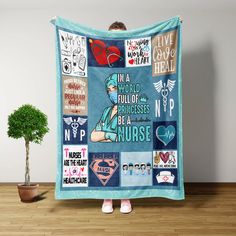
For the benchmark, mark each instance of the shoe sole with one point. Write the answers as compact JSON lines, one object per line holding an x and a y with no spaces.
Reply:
{"x":107,"y":212}
{"x":125,"y":212}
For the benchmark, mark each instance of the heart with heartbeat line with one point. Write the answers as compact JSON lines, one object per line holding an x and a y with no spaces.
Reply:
{"x":165,"y":134}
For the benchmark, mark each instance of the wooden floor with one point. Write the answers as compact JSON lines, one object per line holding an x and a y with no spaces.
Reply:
{"x":209,"y":209}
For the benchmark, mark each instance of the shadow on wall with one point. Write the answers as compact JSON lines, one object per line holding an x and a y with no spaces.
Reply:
{"x":199,"y":115}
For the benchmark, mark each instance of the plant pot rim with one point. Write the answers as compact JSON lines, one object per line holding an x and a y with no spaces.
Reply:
{"x":22,"y":185}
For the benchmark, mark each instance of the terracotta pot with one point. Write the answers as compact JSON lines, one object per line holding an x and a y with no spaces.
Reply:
{"x":28,"y":193}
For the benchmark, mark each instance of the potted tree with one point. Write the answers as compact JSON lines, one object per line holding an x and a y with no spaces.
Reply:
{"x":29,"y":123}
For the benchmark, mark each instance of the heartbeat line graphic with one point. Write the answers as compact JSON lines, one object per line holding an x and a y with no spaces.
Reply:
{"x":168,"y":135}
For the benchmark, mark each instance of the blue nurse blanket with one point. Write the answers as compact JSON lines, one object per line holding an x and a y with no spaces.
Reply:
{"x":119,"y":111}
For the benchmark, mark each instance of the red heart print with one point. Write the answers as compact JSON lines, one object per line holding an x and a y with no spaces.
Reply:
{"x":164,"y":156}
{"x":131,"y":61}
{"x":82,"y":168}
{"x":104,"y":55}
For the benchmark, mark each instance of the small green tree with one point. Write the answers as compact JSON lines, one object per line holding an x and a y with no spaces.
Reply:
{"x":29,"y":123}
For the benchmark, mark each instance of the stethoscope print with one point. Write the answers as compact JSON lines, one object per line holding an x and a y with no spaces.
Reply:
{"x":98,"y":51}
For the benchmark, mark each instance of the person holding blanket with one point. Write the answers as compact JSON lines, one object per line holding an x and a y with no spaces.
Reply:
{"x":111,"y":85}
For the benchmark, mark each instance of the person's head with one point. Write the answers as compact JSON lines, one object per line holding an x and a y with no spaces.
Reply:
{"x":117,"y":26}
{"x":131,"y":166}
{"x":148,"y":165}
{"x":143,"y":166}
{"x":136,"y":166}
{"x":125,"y":166}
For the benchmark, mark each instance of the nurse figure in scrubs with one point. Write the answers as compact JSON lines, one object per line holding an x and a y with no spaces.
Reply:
{"x":106,"y":128}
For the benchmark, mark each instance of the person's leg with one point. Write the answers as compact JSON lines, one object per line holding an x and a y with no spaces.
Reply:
{"x":125,"y":206}
{"x":107,"y":206}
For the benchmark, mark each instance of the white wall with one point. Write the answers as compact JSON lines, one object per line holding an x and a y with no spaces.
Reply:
{"x":27,"y":75}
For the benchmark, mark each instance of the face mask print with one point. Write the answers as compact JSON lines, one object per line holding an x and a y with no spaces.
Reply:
{"x":113,"y":96}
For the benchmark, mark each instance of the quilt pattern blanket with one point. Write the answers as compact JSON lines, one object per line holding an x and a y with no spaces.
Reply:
{"x":119,"y":111}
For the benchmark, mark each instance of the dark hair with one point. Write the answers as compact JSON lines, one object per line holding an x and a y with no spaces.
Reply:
{"x":149,"y":164}
{"x":124,"y":165}
{"x":117,"y":25}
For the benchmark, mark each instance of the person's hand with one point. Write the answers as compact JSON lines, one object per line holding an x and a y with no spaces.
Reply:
{"x":111,"y":136}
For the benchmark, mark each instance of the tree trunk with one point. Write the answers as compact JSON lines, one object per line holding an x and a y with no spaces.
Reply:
{"x":27,"y":170}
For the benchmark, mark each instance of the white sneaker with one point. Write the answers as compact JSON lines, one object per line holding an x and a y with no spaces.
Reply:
{"x":125,"y":206}
{"x":107,"y":206}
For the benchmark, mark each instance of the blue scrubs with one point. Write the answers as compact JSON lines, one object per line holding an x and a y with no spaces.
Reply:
{"x":107,"y":124}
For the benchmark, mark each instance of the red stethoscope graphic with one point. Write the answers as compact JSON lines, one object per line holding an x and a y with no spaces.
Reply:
{"x":104,"y":55}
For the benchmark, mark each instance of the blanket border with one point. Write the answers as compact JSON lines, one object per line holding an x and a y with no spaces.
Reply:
{"x":124,"y":193}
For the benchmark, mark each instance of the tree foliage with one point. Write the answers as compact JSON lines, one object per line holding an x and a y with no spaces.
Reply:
{"x":29,"y":123}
